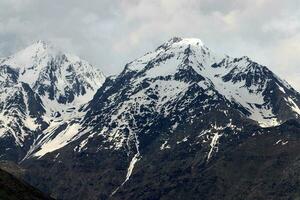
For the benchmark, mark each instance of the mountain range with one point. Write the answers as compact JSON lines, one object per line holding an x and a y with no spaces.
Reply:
{"x":180,"y":122}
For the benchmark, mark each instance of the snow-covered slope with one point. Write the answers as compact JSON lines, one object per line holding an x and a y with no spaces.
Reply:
{"x":240,"y":80}
{"x":42,"y":87}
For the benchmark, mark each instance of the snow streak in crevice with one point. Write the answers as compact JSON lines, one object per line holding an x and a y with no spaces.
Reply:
{"x":133,"y":161}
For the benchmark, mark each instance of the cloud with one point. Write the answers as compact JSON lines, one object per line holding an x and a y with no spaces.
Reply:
{"x":110,"y":33}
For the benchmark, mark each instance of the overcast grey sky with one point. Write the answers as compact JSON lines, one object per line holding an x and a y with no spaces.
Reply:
{"x":110,"y":33}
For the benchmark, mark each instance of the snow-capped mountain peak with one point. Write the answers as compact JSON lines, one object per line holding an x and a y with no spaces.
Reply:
{"x":30,"y":56}
{"x":181,"y":49}
{"x":42,"y":86}
{"x":181,"y":42}
{"x":239,"y":80}
{"x":54,"y":73}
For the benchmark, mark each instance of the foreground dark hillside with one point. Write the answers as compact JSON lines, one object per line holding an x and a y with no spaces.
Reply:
{"x":12,"y":188}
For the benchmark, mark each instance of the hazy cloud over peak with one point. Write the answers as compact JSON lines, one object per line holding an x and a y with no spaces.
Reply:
{"x":109,"y":33}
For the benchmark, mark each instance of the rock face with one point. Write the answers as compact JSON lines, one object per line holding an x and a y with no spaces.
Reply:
{"x":174,"y":124}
